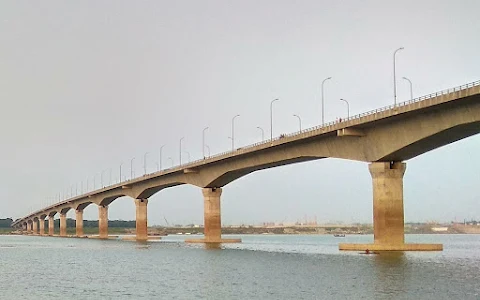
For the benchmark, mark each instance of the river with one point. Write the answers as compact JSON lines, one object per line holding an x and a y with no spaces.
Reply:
{"x":261,"y":267}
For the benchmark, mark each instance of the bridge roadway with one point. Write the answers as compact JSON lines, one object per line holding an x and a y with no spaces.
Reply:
{"x":385,"y":138}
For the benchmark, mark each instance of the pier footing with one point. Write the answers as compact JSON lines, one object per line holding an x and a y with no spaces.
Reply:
{"x":213,"y":241}
{"x":401,"y":247}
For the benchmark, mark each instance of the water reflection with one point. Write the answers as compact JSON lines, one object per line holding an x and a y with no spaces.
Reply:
{"x":390,"y":272}
{"x":213,"y":246}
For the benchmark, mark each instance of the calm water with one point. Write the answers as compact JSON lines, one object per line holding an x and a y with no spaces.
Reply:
{"x":262,"y":267}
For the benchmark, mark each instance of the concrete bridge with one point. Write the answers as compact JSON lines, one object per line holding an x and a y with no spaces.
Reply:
{"x":385,"y":138}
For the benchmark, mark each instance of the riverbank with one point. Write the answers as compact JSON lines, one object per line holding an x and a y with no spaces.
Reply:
{"x":319,"y":230}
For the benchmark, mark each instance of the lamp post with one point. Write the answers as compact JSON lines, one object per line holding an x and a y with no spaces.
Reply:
{"x":323,"y":100}
{"x":188,"y":155}
{"x":180,"y":152}
{"x":271,"y":118}
{"x":120,"y":177}
{"x":160,"y":157}
{"x":299,"y":121}
{"x":208,"y":148}
{"x":171,"y":159}
{"x":145,"y":163}
{"x":263,"y":133}
{"x":131,"y":168}
{"x":101,"y":179}
{"x":411,"y":87}
{"x":203,"y":141}
{"x":395,"y":76}
{"x":348,"y":107}
{"x":233,"y":131}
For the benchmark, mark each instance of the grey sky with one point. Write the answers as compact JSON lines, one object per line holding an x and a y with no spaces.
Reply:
{"x":86,"y":85}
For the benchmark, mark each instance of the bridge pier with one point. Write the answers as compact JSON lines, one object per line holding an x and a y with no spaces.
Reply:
{"x":25,"y":227}
{"x":51,"y":225}
{"x":41,"y":223}
{"x":63,"y":224}
{"x":79,"y":223}
{"x":212,"y":218}
{"x":35,"y":227}
{"x":388,"y":214}
{"x":103,"y":221}
{"x":141,"y":219}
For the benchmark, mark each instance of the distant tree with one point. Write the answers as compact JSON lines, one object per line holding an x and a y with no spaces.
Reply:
{"x":6,"y":223}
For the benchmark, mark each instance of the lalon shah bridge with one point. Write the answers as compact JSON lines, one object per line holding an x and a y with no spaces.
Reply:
{"x":385,"y":138}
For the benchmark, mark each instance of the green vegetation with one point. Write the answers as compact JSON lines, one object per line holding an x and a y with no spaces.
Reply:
{"x":5,"y":223}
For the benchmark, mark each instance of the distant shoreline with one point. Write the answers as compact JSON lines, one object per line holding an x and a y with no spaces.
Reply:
{"x":288,"y":230}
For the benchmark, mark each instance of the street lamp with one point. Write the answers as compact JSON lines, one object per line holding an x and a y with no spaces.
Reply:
{"x":233,"y":131}
{"x":208,"y":148}
{"x":203,"y":141}
{"x":101,"y":179}
{"x":348,"y":107}
{"x":180,"y":159}
{"x":120,"y":178}
{"x":395,"y":77}
{"x":131,"y":168}
{"x":263,"y":134}
{"x":271,"y":118}
{"x":323,"y":100}
{"x":299,"y":121}
{"x":145,"y":163}
{"x":411,"y":87}
{"x":188,"y":155}
{"x":160,"y":157}
{"x":171,"y":159}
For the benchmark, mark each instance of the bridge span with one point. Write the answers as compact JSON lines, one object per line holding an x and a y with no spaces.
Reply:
{"x":385,"y":138}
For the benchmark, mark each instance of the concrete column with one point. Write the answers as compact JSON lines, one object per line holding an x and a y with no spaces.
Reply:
{"x":212,"y":218}
{"x":79,"y":223}
{"x":212,"y":214}
{"x":29,"y":227}
{"x":103,"y":221}
{"x":388,"y":215}
{"x":25,"y":227}
{"x":51,"y":226}
{"x":388,"y":223}
{"x":141,"y":219}
{"x":63,"y":224}
{"x":41,"y":223}
{"x":35,"y":227}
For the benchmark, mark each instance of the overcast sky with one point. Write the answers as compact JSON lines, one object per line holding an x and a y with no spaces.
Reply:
{"x":87,"y":85}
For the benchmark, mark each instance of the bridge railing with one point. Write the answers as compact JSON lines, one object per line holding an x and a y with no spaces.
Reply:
{"x":247,"y":148}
